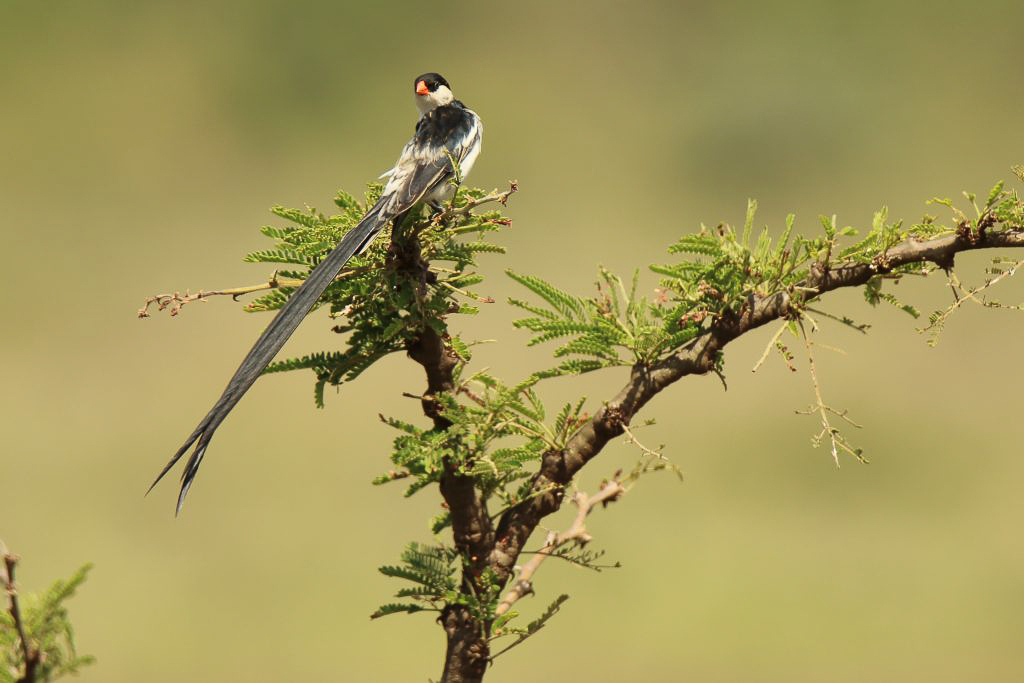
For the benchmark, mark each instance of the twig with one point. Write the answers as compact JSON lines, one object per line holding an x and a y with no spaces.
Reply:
{"x":837,"y":440}
{"x":467,"y":208}
{"x":523,"y":585}
{"x":176,"y":300}
{"x":826,"y":427}
{"x":633,"y":440}
{"x":29,"y":653}
{"x":962,"y":295}
{"x":578,"y":563}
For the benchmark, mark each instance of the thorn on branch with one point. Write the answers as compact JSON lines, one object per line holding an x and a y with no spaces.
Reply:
{"x":836,"y":439}
{"x":173,"y":301}
{"x":577,"y":533}
{"x":177,"y":300}
{"x":513,"y":187}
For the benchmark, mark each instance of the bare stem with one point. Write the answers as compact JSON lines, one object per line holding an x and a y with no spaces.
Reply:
{"x":577,"y":533}
{"x":176,"y":300}
{"x":30,"y":653}
{"x":836,"y":439}
{"x":465,"y":210}
{"x":644,"y":449}
{"x":961,"y":295}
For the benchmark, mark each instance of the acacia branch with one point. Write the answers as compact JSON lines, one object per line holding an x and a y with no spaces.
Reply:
{"x":836,"y":439}
{"x":467,"y":208}
{"x":558,"y":467}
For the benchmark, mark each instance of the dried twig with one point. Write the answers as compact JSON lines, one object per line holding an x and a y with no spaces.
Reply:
{"x":962,"y":295}
{"x":837,"y":440}
{"x":176,"y":300}
{"x":465,"y":210}
{"x":577,"y":533}
{"x":769,"y":346}
{"x":644,"y":449}
{"x":495,"y":542}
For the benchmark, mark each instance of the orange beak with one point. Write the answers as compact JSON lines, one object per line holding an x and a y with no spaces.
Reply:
{"x":421,"y":88}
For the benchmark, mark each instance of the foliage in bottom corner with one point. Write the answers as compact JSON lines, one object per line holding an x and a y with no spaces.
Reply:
{"x":48,"y":631}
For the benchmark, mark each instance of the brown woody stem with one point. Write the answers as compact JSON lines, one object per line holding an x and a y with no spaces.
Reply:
{"x":484,"y":545}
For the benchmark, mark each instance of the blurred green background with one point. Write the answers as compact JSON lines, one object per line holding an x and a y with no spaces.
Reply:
{"x":140,"y":147}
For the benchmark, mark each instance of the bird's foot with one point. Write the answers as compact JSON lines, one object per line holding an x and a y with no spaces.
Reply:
{"x":437,"y":215}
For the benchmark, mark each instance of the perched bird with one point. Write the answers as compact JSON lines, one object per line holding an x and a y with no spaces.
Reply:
{"x":447,"y":130}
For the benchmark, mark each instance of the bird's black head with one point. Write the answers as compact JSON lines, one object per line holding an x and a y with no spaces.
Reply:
{"x":429,"y":82}
{"x":432,"y":91}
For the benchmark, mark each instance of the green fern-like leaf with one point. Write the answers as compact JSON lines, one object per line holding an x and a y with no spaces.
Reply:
{"x":560,"y":301}
{"x":698,"y":245}
{"x":397,"y":608}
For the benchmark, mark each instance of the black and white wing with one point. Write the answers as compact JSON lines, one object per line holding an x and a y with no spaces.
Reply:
{"x":423,"y":170}
{"x":422,"y":173}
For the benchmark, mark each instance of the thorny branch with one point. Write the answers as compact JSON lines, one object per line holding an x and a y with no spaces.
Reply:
{"x":558,"y":468}
{"x":576,"y":533}
{"x":962,"y":295}
{"x":176,"y":300}
{"x":772,"y":343}
{"x":643,"y":449}
{"x":500,"y":197}
{"x":836,"y":439}
{"x":497,"y":547}
{"x":29,"y":652}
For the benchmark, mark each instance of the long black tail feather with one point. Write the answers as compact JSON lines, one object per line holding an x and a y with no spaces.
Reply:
{"x":272,"y":339}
